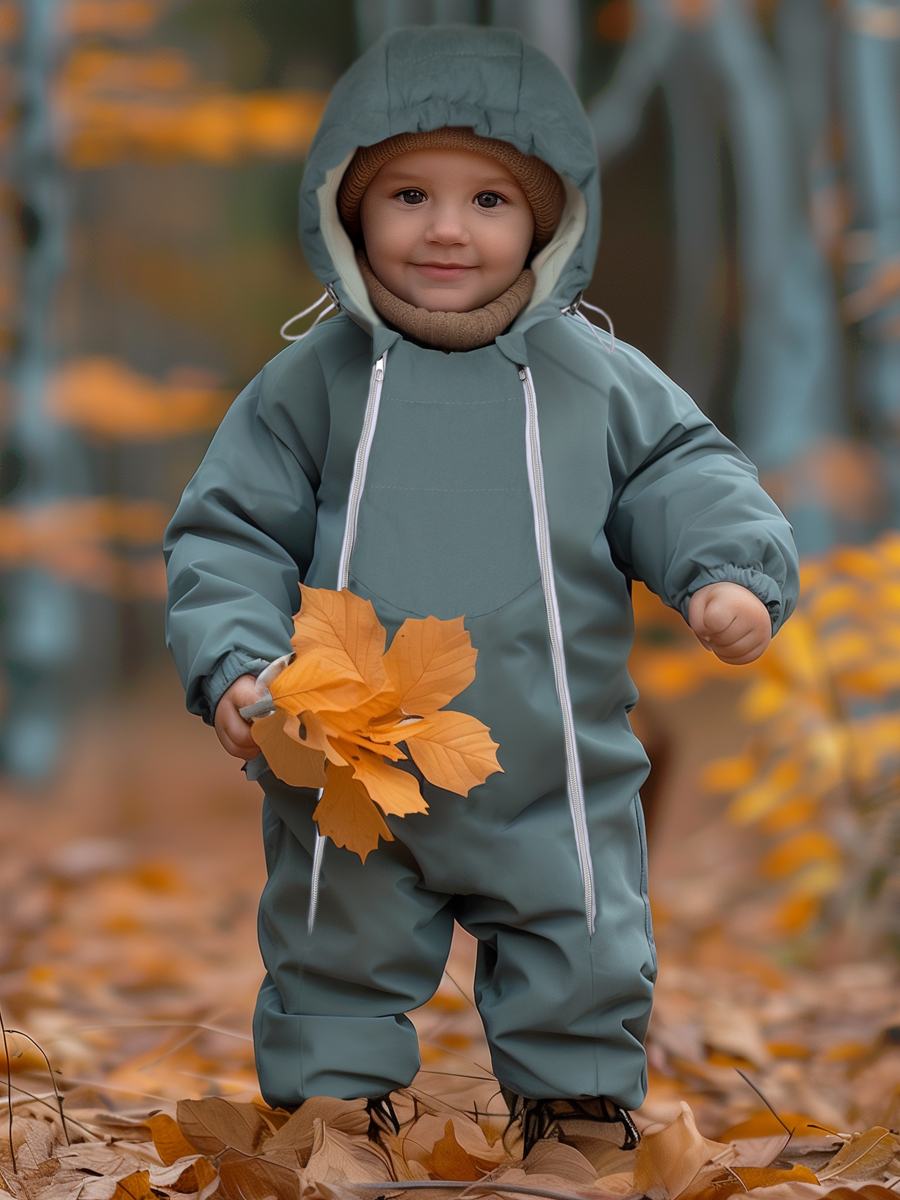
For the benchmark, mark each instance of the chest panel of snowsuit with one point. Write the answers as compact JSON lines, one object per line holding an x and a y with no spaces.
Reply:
{"x":446,"y":525}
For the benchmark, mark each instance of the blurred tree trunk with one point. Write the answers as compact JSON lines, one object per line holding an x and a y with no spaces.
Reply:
{"x":41,"y":631}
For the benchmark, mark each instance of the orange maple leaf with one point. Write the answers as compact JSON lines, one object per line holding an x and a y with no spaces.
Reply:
{"x":344,"y":707}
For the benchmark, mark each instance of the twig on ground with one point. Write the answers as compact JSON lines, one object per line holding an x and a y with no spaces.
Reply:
{"x":751,"y":1084}
{"x":56,"y":1091}
{"x":9,"y":1087}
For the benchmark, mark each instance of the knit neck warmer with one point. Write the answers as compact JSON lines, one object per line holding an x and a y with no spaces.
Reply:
{"x":448,"y":330}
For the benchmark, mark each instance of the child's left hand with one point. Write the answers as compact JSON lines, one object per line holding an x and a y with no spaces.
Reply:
{"x":729,"y":620}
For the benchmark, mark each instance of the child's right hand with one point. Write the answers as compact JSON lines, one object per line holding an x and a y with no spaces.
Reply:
{"x":231,"y":728}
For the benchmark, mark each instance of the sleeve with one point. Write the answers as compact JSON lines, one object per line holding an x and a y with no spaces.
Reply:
{"x":687,"y":508}
{"x":237,"y":547}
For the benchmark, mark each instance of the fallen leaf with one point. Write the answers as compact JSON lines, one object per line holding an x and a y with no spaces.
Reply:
{"x":733,"y":1030}
{"x":170,"y":1142}
{"x":550,"y":1157}
{"x":296,"y":1135}
{"x":134,"y":1187}
{"x":448,"y":1160}
{"x":185,"y":1175}
{"x":760,"y":1177}
{"x":869,"y":1191}
{"x":672,"y":1157}
{"x":258,"y":1180}
{"x":214,"y":1125}
{"x":620,"y":1183}
{"x":764,"y":1124}
{"x":863,"y":1157}
{"x":419,"y":1140}
{"x":758,"y":1152}
{"x":711,"y":1183}
{"x":337,"y":1158}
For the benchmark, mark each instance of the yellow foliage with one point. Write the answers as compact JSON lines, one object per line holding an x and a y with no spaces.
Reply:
{"x":819,"y":877}
{"x":797,"y":811}
{"x":795,"y":914}
{"x":764,"y":699}
{"x":833,"y":601}
{"x":728,"y":774}
{"x":846,"y":648}
{"x":10,"y":21}
{"x":220,"y":128}
{"x":118,"y":17}
{"x":761,"y":798}
{"x":824,"y":701}
{"x":798,"y":851}
{"x":74,"y":540}
{"x":858,"y":562}
{"x":104,"y":397}
{"x":101,"y":69}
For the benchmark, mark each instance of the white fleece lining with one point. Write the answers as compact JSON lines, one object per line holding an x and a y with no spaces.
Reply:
{"x":339,"y":246}
{"x":548,"y":265}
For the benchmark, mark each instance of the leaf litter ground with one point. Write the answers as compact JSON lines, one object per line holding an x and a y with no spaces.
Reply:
{"x":128,"y":954}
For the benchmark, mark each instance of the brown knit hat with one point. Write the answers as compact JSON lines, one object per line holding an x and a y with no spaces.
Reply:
{"x":540,"y":183}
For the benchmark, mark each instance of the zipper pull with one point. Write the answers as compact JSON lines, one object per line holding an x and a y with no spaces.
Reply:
{"x":379,"y":370}
{"x":522,"y":374}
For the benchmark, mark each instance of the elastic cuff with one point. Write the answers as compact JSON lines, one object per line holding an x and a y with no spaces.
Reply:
{"x":231,"y":667}
{"x":762,"y":586}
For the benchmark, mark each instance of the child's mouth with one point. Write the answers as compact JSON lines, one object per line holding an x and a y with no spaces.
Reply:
{"x":443,"y":271}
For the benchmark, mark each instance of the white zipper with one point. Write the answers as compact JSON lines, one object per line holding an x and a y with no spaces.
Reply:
{"x":360,"y":467}
{"x":574,"y":785}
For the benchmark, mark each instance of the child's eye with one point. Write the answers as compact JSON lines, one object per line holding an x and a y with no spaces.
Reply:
{"x":488,"y":199}
{"x":412,"y":196}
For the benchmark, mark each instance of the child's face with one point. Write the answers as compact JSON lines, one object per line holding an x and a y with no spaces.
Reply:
{"x":446,"y":230}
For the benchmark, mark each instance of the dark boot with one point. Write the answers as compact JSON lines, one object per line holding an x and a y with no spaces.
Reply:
{"x":583,"y":1119}
{"x":382,"y":1117}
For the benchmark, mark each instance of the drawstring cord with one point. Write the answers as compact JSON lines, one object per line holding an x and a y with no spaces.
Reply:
{"x":297,"y":337}
{"x":575,"y":310}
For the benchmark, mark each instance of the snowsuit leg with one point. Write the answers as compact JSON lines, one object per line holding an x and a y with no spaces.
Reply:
{"x":565,"y":1013}
{"x":330,"y":1017}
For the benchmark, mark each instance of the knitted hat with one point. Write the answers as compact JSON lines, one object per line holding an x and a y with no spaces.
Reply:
{"x":540,"y":183}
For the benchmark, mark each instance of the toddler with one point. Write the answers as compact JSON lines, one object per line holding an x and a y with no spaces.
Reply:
{"x":459,"y":440}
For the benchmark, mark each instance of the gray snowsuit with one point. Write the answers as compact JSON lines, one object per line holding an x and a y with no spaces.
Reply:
{"x":523,"y":485}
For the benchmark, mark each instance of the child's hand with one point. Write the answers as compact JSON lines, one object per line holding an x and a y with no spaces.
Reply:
{"x":731,"y":621}
{"x":231,"y":728}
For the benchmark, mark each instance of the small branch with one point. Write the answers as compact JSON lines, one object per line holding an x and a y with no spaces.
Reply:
{"x":31,"y":1098}
{"x":12,"y":1149}
{"x":56,"y":1092}
{"x":751,"y":1084}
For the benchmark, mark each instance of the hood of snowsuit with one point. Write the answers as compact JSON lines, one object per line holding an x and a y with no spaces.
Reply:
{"x":490,"y":80}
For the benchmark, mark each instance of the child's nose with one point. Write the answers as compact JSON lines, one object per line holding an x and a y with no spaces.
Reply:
{"x":448,"y":227}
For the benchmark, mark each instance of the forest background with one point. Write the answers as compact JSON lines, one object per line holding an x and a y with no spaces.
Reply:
{"x":150,"y":157}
